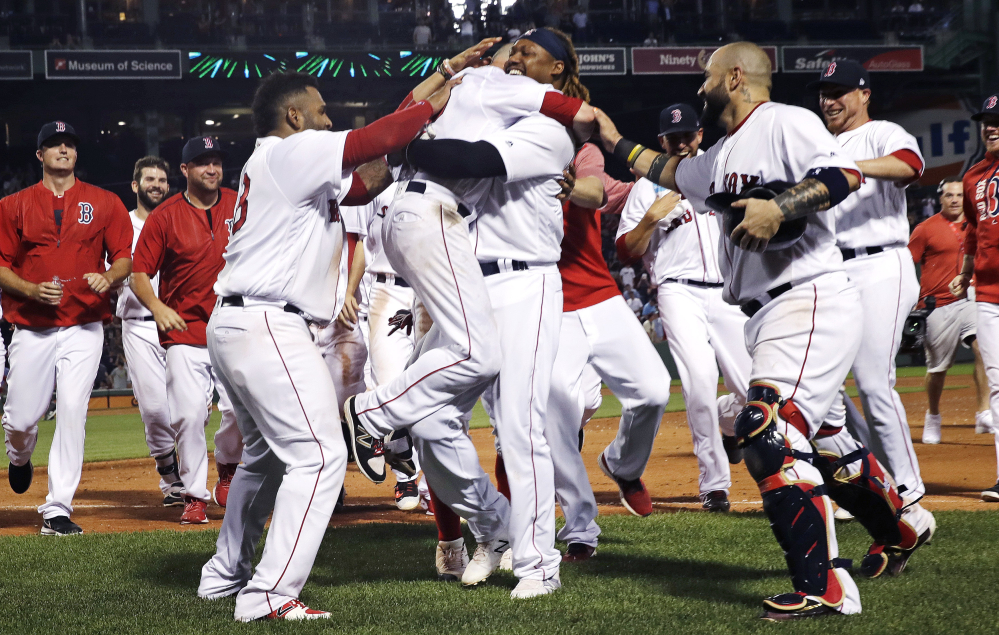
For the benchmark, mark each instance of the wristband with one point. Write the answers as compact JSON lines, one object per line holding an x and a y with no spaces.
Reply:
{"x":445,"y":71}
{"x":446,"y":63}
{"x":656,"y":169}
{"x":628,"y":151}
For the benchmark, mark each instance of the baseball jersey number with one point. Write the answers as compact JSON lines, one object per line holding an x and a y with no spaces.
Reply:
{"x":240,"y":217}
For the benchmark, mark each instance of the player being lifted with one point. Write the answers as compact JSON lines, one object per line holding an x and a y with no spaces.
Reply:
{"x":803,"y":330}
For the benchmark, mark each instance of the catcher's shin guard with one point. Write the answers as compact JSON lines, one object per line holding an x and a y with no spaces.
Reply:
{"x":795,"y":509}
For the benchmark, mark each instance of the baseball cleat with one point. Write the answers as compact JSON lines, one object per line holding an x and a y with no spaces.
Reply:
{"x":891,"y":561}
{"x":634,"y":495}
{"x":60,"y":526}
{"x":294,"y":610}
{"x":451,"y":559}
{"x":369,"y":451}
{"x":991,"y":495}
{"x":716,"y":501}
{"x":527,"y":589}
{"x":485,"y":560}
{"x":983,"y":422}
{"x":194,"y":511}
{"x":506,"y":562}
{"x":339,"y":507}
{"x":399,"y":453}
{"x":19,"y":477}
{"x":931,"y":429}
{"x":842,"y":515}
{"x":794,"y":606}
{"x":220,"y":493}
{"x":732,"y":449}
{"x":174,"y":496}
{"x":407,"y":496}
{"x":578,"y":552}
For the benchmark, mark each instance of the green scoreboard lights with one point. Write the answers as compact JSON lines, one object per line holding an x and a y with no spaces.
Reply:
{"x":356,"y":65}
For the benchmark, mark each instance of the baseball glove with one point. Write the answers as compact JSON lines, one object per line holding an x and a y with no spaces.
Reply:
{"x":787,"y":234}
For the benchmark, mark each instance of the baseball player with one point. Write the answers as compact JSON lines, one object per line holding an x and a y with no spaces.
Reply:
{"x":981,"y":257}
{"x":146,"y":357}
{"x":54,"y":239}
{"x":460,"y":355}
{"x":281,"y":273}
{"x":872,"y":231}
{"x":801,"y":331}
{"x":680,"y":251}
{"x":938,"y":246}
{"x":183,"y":241}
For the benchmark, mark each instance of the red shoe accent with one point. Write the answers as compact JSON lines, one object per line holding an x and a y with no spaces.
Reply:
{"x":295,"y":610}
{"x":221,"y":491}
{"x":194,"y":511}
{"x":448,"y":522}
{"x":634,"y":495}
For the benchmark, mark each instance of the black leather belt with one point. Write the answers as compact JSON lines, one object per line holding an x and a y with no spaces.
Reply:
{"x":399,"y":282}
{"x":146,"y":318}
{"x":753,"y":307}
{"x":696,"y":283}
{"x":419,"y":187}
{"x":849,"y":254}
{"x":237,"y":300}
{"x":492,"y":268}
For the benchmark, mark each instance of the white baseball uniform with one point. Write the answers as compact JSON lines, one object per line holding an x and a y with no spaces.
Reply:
{"x":283,"y":254}
{"x":146,"y":363}
{"x":703,"y":331}
{"x":803,"y":340}
{"x":874,"y":219}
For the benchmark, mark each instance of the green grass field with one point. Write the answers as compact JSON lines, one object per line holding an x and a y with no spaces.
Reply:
{"x":668,"y":573}
{"x":120,"y":436}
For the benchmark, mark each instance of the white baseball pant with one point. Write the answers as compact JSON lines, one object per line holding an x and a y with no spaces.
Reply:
{"x":705,"y":333}
{"x":608,"y":337}
{"x":189,"y":385}
{"x":294,"y":462}
{"x":888,"y":291}
{"x":345,"y":354}
{"x":528,"y":310}
{"x":988,"y":345}
{"x":803,"y":342}
{"x":147,"y":370}
{"x":592,"y":387}
{"x":65,"y":358}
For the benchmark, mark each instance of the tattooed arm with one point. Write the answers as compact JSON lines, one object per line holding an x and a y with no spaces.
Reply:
{"x":763,"y":218}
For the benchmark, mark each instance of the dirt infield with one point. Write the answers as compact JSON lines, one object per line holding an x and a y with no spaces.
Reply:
{"x":119,"y":496}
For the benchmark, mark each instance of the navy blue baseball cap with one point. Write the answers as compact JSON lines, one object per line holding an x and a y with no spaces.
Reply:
{"x":849,"y":73}
{"x":678,"y":118}
{"x":197,"y":146}
{"x":989,"y":107}
{"x":54,"y":128}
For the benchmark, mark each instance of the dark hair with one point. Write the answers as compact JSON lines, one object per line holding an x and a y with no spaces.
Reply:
{"x":272,"y":94}
{"x":149,"y":162}
{"x":572,"y":86}
{"x":946,"y":180}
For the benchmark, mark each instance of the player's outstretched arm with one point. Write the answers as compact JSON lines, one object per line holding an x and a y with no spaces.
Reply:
{"x":469,"y":58}
{"x":889,"y":167}
{"x":456,"y":159}
{"x":654,"y":166}
{"x":588,"y":193}
{"x":45,"y":292}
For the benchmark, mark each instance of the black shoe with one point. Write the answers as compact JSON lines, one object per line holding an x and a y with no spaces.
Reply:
{"x":403,"y":460}
{"x":19,"y":477}
{"x":174,"y":496}
{"x":578,"y":552}
{"x":582,"y":436}
{"x":732,"y":449}
{"x":369,"y":451}
{"x":716,"y":501}
{"x":60,"y":526}
{"x":793,"y":606}
{"x":339,"y":501}
{"x":991,"y":495}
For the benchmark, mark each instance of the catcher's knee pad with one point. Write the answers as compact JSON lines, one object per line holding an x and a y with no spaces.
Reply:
{"x":869,"y":495}
{"x":765,"y":449}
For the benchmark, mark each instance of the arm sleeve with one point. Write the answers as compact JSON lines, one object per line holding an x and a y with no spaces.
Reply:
{"x":385,"y":135}
{"x":903,"y":146}
{"x":560,"y":108}
{"x":10,"y":231}
{"x":358,"y":192}
{"x":151,"y":248}
{"x":694,"y":177}
{"x":804,"y":144}
{"x":917,"y":243}
{"x":456,"y":159}
{"x":534,"y":147}
{"x":118,"y":233}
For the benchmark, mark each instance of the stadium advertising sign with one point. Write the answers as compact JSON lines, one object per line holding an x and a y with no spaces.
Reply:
{"x":594,"y":61}
{"x":112,"y":65}
{"x":809,"y":59}
{"x":679,"y":60}
{"x":15,"y":65}
{"x":942,"y":126}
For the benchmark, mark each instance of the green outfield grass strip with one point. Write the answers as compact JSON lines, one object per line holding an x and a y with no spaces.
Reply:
{"x":683,"y":573}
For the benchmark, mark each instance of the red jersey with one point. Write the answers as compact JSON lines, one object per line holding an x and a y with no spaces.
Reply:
{"x":184,"y":244}
{"x":585,"y":278}
{"x":937,"y":244}
{"x":94,"y":227}
{"x":981,"y":210}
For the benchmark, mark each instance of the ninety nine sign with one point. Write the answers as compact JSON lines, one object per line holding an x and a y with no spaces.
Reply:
{"x":608,"y":61}
{"x":112,"y":65}
{"x":809,"y":59}
{"x":679,"y":60}
{"x":15,"y":65}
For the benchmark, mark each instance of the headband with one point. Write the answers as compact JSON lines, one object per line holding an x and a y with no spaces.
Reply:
{"x":548,"y":41}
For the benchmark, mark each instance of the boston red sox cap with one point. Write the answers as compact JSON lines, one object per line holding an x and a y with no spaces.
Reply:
{"x":849,"y":73}
{"x":989,"y":107}
{"x":678,"y":118}
{"x":54,"y":128}
{"x":197,"y":146}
